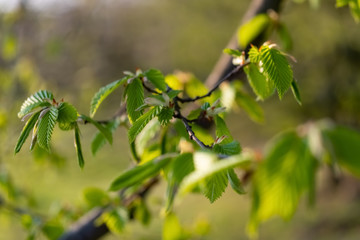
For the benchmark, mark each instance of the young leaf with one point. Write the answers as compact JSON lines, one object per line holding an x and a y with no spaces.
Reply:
{"x":39,"y":99}
{"x":235,"y":182}
{"x":102,"y":94}
{"x":99,"y":139}
{"x":276,"y":68}
{"x":286,"y":173}
{"x":222,"y":130}
{"x":261,"y":87}
{"x":141,"y":122}
{"x":26,"y":131}
{"x":231,"y":148}
{"x":165,"y":115}
{"x":215,"y":186}
{"x":140,"y":173}
{"x":296,"y":92}
{"x":251,"y":29}
{"x":104,"y":131}
{"x":78,"y":149}
{"x":232,"y":52}
{"x":156,"y":78}
{"x":46,"y":126}
{"x":67,"y":113}
{"x":53,"y":229}
{"x":344,"y":146}
{"x":254,"y":54}
{"x":135,"y":99}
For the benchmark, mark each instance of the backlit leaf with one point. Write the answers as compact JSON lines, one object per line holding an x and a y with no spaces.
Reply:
{"x":156,"y":78}
{"x":261,"y":87}
{"x":99,"y":139}
{"x":103,"y":93}
{"x":135,"y":99}
{"x":252,"y":29}
{"x":141,"y":122}
{"x":40,"y":99}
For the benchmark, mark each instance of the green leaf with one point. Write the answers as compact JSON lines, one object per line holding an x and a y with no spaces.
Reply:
{"x":104,"y":131}
{"x":115,"y":220}
{"x":140,"y":173}
{"x":251,"y":107}
{"x":142,"y":212}
{"x":39,"y":99}
{"x":231,"y":148}
{"x":173,"y":93}
{"x":287,"y":172}
{"x":354,"y":6}
{"x":235,"y":182}
{"x":53,"y":229}
{"x":261,"y":87}
{"x":96,"y":197}
{"x":206,"y":164}
{"x":172,"y":230}
{"x":26,"y":131}
{"x":102,"y":94}
{"x":254,"y":54}
{"x":141,"y":122}
{"x":276,"y":69}
{"x":165,"y":115}
{"x":222,"y":130}
{"x":343,"y":144}
{"x":215,"y":186}
{"x":296,"y":92}
{"x":250,"y":30}
{"x":67,"y":113}
{"x":99,"y":140}
{"x":135,"y":99}
{"x":78,"y":147}
{"x":146,"y":135}
{"x":156,"y":78}
{"x":46,"y":126}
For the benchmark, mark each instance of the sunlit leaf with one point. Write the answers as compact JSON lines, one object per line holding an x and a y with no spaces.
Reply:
{"x":165,"y":115}
{"x":103,"y":93}
{"x":231,"y":148}
{"x":172,"y":229}
{"x":287,"y":172}
{"x":261,"y":87}
{"x":39,"y":99}
{"x":252,"y":29}
{"x":235,"y":182}
{"x":215,"y":185}
{"x":115,"y":220}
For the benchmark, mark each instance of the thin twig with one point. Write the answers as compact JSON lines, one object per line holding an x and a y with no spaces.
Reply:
{"x":216,"y":86}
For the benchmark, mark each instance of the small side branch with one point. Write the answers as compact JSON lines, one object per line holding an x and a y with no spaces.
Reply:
{"x":235,"y":71}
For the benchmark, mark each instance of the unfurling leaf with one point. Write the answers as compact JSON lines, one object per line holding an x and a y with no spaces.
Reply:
{"x":102,"y":94}
{"x":26,"y":131}
{"x":39,"y":99}
{"x":46,"y":126}
{"x":135,"y":99}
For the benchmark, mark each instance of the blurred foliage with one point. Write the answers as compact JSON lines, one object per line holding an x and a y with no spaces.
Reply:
{"x":76,"y":50}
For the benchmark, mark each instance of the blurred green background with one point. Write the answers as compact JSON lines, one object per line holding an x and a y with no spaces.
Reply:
{"x":75,"y":47}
